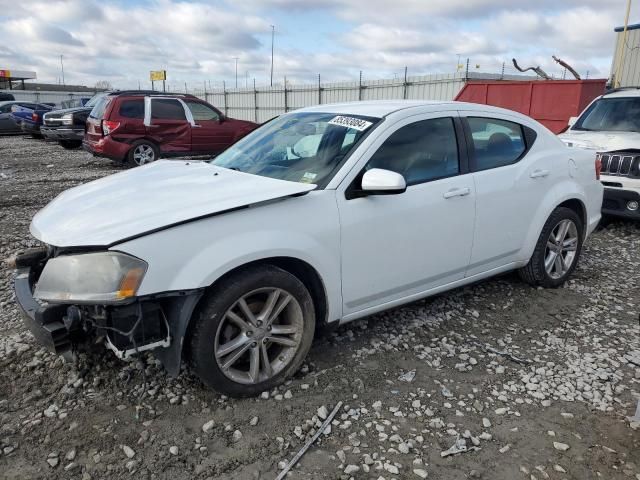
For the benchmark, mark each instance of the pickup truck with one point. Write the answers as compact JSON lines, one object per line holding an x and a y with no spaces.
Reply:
{"x":30,"y":119}
{"x":67,"y":126}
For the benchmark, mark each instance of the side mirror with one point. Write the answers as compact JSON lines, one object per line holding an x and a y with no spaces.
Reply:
{"x":572,"y":121}
{"x":221,"y":118}
{"x":378,"y":181}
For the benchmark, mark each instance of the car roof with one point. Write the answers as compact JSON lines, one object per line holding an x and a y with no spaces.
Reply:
{"x":382,"y":108}
{"x":623,"y":92}
{"x":149,"y":93}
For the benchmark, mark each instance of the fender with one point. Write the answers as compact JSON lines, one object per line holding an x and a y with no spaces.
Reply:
{"x":194,"y":255}
{"x":561,"y":192}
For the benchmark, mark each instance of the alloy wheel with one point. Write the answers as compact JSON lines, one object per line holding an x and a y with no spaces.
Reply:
{"x":259,"y":335}
{"x":562,"y":246}
{"x":144,"y":154}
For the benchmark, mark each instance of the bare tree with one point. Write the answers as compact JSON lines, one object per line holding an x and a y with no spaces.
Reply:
{"x":538,"y":70}
{"x":103,"y":85}
{"x":567,"y":66}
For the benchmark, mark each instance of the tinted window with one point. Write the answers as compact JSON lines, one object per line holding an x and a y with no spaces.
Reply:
{"x":167,"y":109}
{"x":200,"y":111}
{"x":420,"y":152}
{"x":611,"y":114}
{"x":496,"y":142}
{"x":5,"y":108}
{"x":132,"y":108}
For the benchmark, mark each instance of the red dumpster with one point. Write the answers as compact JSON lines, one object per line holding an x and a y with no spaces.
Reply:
{"x":551,"y":102}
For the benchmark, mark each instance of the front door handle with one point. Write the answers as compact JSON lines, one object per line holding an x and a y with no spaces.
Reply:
{"x":539,"y":173}
{"x":457,"y":192}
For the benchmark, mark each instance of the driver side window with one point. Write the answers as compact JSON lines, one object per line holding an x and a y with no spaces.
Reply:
{"x":421,"y":152}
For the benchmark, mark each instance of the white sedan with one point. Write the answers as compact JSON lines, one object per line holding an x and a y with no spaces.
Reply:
{"x":326,"y":214}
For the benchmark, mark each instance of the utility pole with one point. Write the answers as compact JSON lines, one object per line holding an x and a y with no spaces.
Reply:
{"x":273,"y":32}
{"x":236,"y":59}
{"x":62,"y":66}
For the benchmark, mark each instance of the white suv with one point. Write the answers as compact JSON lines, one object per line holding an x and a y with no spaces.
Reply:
{"x":610,"y":125}
{"x":323,"y":215}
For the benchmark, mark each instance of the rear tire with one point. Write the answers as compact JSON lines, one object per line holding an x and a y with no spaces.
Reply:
{"x":252,"y":332}
{"x":142,"y":152}
{"x":70,"y":144}
{"x":557,"y":251}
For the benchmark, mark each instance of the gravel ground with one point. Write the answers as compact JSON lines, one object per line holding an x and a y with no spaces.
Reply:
{"x":520,"y":382}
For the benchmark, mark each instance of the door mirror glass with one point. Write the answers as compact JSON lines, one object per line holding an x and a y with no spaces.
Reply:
{"x":378,"y":181}
{"x":572,"y":121}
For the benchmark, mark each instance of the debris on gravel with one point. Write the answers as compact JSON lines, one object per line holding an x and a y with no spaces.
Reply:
{"x":554,"y":375}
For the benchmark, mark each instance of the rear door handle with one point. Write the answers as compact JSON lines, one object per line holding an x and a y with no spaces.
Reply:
{"x":539,"y":173}
{"x":457,"y":192}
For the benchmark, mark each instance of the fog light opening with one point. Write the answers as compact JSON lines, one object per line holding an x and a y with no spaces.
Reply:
{"x":632,"y":205}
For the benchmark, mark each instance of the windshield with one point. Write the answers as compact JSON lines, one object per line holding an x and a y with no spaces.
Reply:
{"x":611,"y":114}
{"x":93,"y":100}
{"x":299,"y":147}
{"x":99,"y":107}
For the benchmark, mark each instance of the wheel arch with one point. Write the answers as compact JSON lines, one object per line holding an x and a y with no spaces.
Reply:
{"x":577,"y":206}
{"x":302,"y":270}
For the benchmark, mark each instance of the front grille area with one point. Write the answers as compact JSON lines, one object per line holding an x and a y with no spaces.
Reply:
{"x":620,"y":163}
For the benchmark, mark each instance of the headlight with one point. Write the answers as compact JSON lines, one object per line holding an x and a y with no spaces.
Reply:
{"x":67,"y":119}
{"x":105,"y":277}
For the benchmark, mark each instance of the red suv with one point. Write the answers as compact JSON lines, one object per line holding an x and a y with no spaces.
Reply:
{"x":140,"y":127}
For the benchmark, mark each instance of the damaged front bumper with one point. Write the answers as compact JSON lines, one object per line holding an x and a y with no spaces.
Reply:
{"x":155,"y":322}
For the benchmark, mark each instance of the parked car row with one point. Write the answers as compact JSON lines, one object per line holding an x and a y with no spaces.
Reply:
{"x":136,"y":127}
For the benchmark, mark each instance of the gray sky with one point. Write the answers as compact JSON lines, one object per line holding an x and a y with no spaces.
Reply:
{"x":196,"y":41}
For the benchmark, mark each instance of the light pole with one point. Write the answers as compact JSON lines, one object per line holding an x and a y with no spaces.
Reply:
{"x":273,"y":32}
{"x":236,"y":59}
{"x":62,"y":66}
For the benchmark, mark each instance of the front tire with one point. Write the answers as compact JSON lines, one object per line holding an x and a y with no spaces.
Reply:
{"x":557,"y":251}
{"x":252,"y":332}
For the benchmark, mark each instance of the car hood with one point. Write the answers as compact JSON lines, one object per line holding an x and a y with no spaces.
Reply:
{"x":64,"y":111}
{"x":145,"y":199}
{"x":602,"y":141}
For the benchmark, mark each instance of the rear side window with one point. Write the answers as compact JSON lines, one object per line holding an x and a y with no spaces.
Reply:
{"x":132,"y":108}
{"x":99,"y":108}
{"x":167,"y":109}
{"x":421,"y":151}
{"x":496,"y":142}
{"x":200,"y":111}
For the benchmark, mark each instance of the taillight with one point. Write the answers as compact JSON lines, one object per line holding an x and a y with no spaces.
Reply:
{"x":35,"y":116}
{"x":598,"y":166}
{"x":109,"y":126}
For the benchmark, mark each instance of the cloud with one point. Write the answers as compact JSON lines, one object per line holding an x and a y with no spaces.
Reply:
{"x":198,"y":40}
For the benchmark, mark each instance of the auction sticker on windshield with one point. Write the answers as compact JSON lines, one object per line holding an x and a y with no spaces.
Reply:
{"x":350,"y":122}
